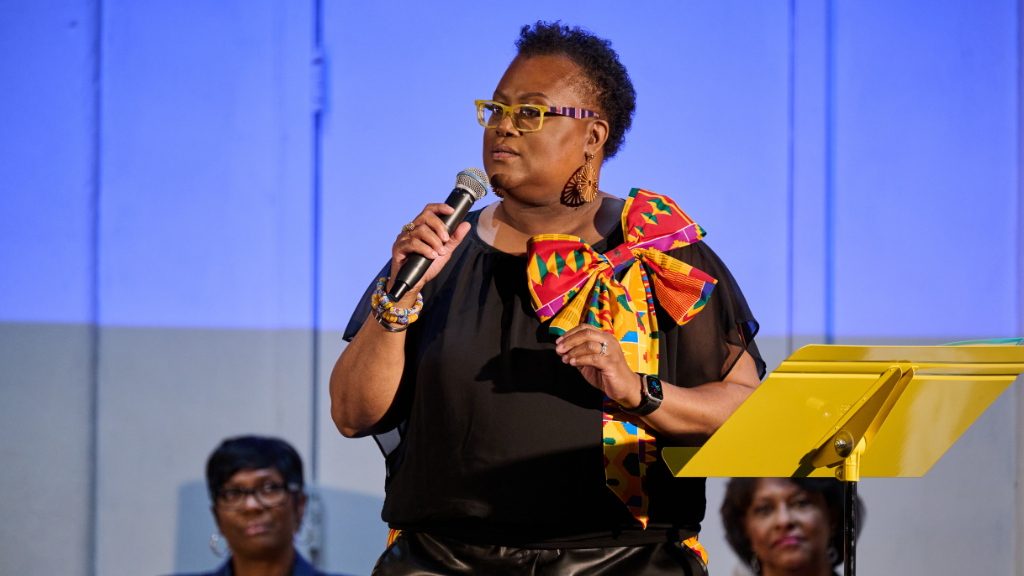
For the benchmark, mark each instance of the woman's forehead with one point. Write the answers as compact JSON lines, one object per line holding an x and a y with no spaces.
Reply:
{"x":778,"y":487}
{"x":555,"y":77}
{"x":256,"y":475}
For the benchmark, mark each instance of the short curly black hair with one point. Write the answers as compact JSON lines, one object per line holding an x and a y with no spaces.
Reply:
{"x":600,"y":64}
{"x":739,"y":495}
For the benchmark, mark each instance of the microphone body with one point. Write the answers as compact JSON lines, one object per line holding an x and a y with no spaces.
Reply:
{"x":471,"y":185}
{"x":416,"y":266}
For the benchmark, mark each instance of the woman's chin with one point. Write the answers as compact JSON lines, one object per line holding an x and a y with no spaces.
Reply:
{"x":792,"y":559}
{"x":503,"y":181}
{"x":262,"y":546}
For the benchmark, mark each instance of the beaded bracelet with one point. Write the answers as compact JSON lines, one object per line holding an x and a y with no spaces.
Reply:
{"x":384,"y":308}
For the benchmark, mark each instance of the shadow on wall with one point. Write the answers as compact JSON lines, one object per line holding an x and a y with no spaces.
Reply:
{"x":195,"y":526}
{"x":354,"y":534}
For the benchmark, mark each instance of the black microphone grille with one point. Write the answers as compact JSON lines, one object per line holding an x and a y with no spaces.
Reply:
{"x":474,"y":181}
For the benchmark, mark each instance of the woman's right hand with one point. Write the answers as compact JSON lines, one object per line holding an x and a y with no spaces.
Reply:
{"x":366,"y":378}
{"x":431,"y":239}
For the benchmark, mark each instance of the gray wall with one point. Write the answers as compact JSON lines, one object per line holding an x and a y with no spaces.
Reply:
{"x":45,"y":423}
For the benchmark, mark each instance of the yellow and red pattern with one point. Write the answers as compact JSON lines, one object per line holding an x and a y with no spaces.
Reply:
{"x":573,"y":284}
{"x":692,"y":544}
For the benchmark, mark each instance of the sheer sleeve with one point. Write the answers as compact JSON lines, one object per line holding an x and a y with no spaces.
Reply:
{"x":706,"y":348}
{"x":363,"y":306}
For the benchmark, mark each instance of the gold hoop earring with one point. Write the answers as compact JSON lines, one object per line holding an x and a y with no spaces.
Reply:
{"x":585,"y":181}
{"x":213,"y":546}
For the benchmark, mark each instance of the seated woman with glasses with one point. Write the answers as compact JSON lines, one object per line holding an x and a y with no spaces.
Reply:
{"x":258,"y":503}
{"x":786,"y":526}
{"x":522,"y":388}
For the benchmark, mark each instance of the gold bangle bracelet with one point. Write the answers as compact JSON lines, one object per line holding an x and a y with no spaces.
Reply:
{"x":380,"y":320}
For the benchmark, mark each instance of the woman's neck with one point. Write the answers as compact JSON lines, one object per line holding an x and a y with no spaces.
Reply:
{"x":554,"y":218}
{"x":821,"y":568}
{"x":509,"y":224}
{"x":281,"y":564}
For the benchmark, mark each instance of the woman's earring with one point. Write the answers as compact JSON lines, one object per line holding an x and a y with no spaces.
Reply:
{"x":833,"y":554}
{"x":585,"y":181}
{"x":755,"y":564}
{"x":213,"y":546}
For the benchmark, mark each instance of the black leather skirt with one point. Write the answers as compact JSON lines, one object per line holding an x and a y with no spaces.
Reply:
{"x":419,"y":554}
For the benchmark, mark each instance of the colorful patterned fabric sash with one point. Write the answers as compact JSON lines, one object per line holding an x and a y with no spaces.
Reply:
{"x":573,"y":284}
{"x":697,"y":547}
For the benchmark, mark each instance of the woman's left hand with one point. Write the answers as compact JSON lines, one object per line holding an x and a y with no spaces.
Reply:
{"x":609,"y":372}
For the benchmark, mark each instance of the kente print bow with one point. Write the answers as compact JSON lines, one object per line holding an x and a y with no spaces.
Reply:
{"x":573,"y":284}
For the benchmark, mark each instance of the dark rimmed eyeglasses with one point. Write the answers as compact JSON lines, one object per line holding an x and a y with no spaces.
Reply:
{"x":268,"y":494}
{"x":525,"y":117}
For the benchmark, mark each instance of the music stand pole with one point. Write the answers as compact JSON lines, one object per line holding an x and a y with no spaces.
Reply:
{"x":850,"y":529}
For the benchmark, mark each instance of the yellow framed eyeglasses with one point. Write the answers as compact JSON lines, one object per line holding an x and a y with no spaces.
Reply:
{"x":525,"y":117}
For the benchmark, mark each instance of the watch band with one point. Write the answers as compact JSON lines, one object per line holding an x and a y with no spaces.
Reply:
{"x":648,"y":403}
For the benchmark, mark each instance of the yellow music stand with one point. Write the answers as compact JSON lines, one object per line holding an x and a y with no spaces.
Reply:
{"x":856,"y":411}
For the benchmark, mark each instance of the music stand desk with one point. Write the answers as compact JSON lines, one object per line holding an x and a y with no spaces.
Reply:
{"x":855,"y":411}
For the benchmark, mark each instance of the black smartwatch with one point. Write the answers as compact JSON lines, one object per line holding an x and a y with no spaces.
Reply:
{"x":651,"y":393}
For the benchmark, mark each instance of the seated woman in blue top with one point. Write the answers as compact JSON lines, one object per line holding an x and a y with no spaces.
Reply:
{"x":256,"y":487}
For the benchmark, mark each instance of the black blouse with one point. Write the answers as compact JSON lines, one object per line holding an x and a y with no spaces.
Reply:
{"x":496,"y":441}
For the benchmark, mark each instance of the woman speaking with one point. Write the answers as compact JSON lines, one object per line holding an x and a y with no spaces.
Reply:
{"x":559,"y":339}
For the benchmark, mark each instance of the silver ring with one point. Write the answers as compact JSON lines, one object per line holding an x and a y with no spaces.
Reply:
{"x":604,"y":348}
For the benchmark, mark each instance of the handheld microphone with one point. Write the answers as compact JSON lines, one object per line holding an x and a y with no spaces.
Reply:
{"x":470,"y":185}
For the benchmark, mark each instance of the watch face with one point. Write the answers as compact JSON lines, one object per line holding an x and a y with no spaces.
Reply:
{"x":654,"y":388}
